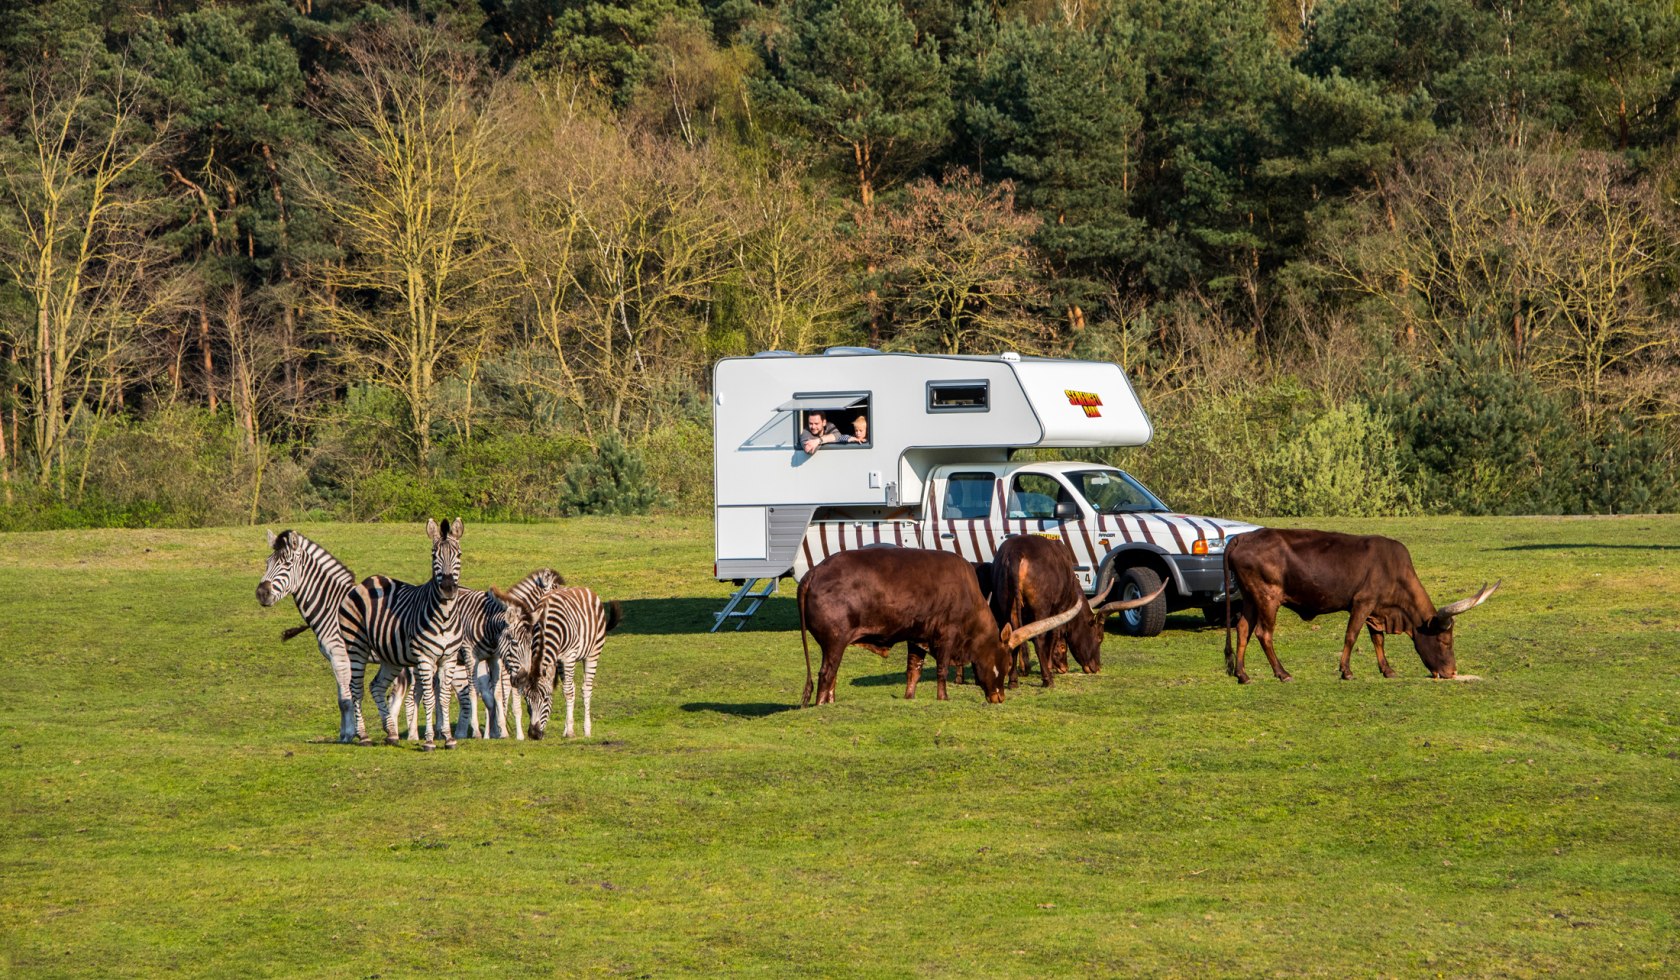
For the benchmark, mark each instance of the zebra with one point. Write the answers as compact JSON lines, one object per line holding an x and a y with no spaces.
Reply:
{"x":477,"y":668}
{"x":566,"y":625}
{"x":318,"y":582}
{"x":398,"y":625}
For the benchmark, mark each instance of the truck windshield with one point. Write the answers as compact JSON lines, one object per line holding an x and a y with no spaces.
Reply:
{"x":1114,"y":492}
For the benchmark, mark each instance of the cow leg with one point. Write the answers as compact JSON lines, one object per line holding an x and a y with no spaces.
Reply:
{"x":1234,"y":660}
{"x":1045,"y":647}
{"x":1354,"y":620}
{"x":1263,"y":633}
{"x":942,"y":657}
{"x":1382,"y":659}
{"x":913,"y":662}
{"x":826,"y":676}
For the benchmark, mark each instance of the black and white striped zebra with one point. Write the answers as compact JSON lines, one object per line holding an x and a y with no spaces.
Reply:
{"x":478,"y":668}
{"x":318,"y":582}
{"x":397,"y":625}
{"x":565,"y":627}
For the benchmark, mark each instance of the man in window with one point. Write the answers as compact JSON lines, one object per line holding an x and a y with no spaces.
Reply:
{"x":819,"y":430}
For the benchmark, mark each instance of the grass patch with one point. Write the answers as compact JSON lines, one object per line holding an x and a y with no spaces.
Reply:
{"x":173,"y":802}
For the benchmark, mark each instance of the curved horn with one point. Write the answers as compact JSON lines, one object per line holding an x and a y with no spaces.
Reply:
{"x":1465,"y":605}
{"x":1106,"y":580}
{"x":1120,"y":604}
{"x":1030,"y":630}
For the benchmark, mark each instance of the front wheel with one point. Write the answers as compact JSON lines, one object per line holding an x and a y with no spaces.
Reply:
{"x":1149,"y":620}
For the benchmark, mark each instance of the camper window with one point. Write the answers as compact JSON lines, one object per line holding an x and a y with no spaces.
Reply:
{"x":786,"y":428}
{"x":968,"y":497}
{"x":958,"y":396}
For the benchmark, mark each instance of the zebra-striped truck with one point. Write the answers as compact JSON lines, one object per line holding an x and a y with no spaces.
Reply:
{"x":854,"y":448}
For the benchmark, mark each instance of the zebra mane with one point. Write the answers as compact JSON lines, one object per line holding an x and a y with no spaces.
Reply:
{"x":526,"y":589}
{"x":321,"y":557}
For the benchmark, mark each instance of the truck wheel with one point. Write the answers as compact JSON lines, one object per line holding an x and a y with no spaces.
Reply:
{"x":1135,"y":583}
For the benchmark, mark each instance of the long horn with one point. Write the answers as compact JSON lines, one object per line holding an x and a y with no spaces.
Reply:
{"x":1030,"y":630}
{"x":1465,"y":605}
{"x":1120,"y":604}
{"x":1106,"y":580}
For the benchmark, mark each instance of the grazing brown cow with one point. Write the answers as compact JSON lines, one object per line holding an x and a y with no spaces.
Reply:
{"x":878,"y":597}
{"x":1314,"y":572}
{"x":1034,"y":576}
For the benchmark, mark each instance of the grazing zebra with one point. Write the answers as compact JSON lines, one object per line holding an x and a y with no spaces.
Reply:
{"x":398,"y":625}
{"x":307,"y":572}
{"x":478,"y":668}
{"x":567,"y":625}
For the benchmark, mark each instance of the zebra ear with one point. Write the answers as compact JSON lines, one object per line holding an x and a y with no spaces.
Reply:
{"x":432,"y":530}
{"x":270,"y":537}
{"x":455,"y":529}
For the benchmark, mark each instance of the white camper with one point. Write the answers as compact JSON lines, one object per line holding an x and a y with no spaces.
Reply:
{"x":932,"y":470}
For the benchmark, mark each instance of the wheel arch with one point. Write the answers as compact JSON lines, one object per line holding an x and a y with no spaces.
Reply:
{"x":1150,"y":556}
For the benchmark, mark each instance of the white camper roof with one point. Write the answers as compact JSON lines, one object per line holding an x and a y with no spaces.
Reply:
{"x":920,"y":406}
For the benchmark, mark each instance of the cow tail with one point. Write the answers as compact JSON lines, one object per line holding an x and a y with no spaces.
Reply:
{"x":1225,"y":569}
{"x":805,"y":699}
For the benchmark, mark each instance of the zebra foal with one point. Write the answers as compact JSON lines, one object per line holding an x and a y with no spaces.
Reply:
{"x":398,"y":625}
{"x":318,"y":582}
{"x":566,"y":626}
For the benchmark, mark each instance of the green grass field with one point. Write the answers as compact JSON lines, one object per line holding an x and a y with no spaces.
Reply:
{"x":172,"y":801}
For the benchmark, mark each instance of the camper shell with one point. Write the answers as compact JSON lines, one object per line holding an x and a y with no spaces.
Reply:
{"x":935,"y":470}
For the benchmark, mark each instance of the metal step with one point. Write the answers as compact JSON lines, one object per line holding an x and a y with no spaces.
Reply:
{"x":745,"y":594}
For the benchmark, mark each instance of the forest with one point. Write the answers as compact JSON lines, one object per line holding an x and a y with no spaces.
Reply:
{"x":273,"y":260}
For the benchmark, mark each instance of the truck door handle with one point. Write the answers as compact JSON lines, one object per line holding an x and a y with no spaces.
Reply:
{"x":946,"y":537}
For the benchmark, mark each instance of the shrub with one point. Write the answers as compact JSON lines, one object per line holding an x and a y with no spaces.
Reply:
{"x":1343,"y":462}
{"x":613,"y":481}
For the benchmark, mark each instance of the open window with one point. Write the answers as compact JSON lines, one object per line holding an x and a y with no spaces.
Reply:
{"x":848,"y":414}
{"x":1035,"y":496}
{"x":959,"y":396}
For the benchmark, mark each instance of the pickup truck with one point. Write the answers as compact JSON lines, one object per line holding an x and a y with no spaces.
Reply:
{"x":1110,"y":521}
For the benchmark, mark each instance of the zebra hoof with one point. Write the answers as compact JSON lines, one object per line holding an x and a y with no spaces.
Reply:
{"x":427,"y":746}
{"x":392,"y":740}
{"x":448,"y":743}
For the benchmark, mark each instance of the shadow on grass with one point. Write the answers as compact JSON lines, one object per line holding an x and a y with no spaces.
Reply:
{"x":1591,"y":547}
{"x":670,"y":617}
{"x":755,"y":709}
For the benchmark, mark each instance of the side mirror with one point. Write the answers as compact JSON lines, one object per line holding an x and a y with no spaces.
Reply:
{"x":1067,"y":510}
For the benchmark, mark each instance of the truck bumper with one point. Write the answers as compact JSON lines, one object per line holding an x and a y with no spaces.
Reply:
{"x":1203,"y":575}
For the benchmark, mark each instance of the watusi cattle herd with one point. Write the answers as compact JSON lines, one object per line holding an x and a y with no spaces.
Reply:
{"x":500,"y":647}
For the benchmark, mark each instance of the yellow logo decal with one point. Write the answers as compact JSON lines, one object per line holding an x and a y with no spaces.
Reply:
{"x":1085,"y":399}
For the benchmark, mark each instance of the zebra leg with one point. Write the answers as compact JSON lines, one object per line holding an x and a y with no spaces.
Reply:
{"x":589,"y":665}
{"x":349,"y":719}
{"x":426,"y":672}
{"x":466,"y":724}
{"x":570,"y":668}
{"x":387,"y":709}
{"x":484,"y":685}
{"x":358,"y":667}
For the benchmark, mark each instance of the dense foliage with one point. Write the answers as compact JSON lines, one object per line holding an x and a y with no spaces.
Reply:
{"x":266,"y":259}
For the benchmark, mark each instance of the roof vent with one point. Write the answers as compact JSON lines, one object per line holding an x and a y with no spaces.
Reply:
{"x":775,"y":353}
{"x":851,"y":350}
{"x":1009,"y":355}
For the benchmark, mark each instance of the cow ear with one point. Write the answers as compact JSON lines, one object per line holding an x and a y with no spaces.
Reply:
{"x":1003,"y":634}
{"x":432,"y":530}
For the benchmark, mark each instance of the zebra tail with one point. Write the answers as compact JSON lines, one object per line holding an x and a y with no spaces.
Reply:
{"x":615,"y":614}
{"x":805,"y":699}
{"x":294,"y":631}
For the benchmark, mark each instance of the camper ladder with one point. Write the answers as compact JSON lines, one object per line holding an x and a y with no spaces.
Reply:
{"x":744,"y":593}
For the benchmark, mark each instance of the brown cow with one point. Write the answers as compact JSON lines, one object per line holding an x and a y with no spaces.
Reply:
{"x":878,"y":597}
{"x":1314,"y":572}
{"x":1034,"y":575}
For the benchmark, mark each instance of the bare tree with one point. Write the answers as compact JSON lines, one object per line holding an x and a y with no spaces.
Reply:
{"x":416,"y":153}
{"x":76,"y":241}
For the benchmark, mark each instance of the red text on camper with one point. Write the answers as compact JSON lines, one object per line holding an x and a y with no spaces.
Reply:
{"x":1086,"y":400}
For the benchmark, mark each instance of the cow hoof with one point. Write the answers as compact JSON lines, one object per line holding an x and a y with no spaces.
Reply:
{"x":1347,"y":677}
{"x":1388,"y":673}
{"x":1242,"y":678}
{"x":1285,"y":678}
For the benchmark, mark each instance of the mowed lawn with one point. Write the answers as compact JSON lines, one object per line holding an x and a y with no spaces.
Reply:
{"x":172,"y":802}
